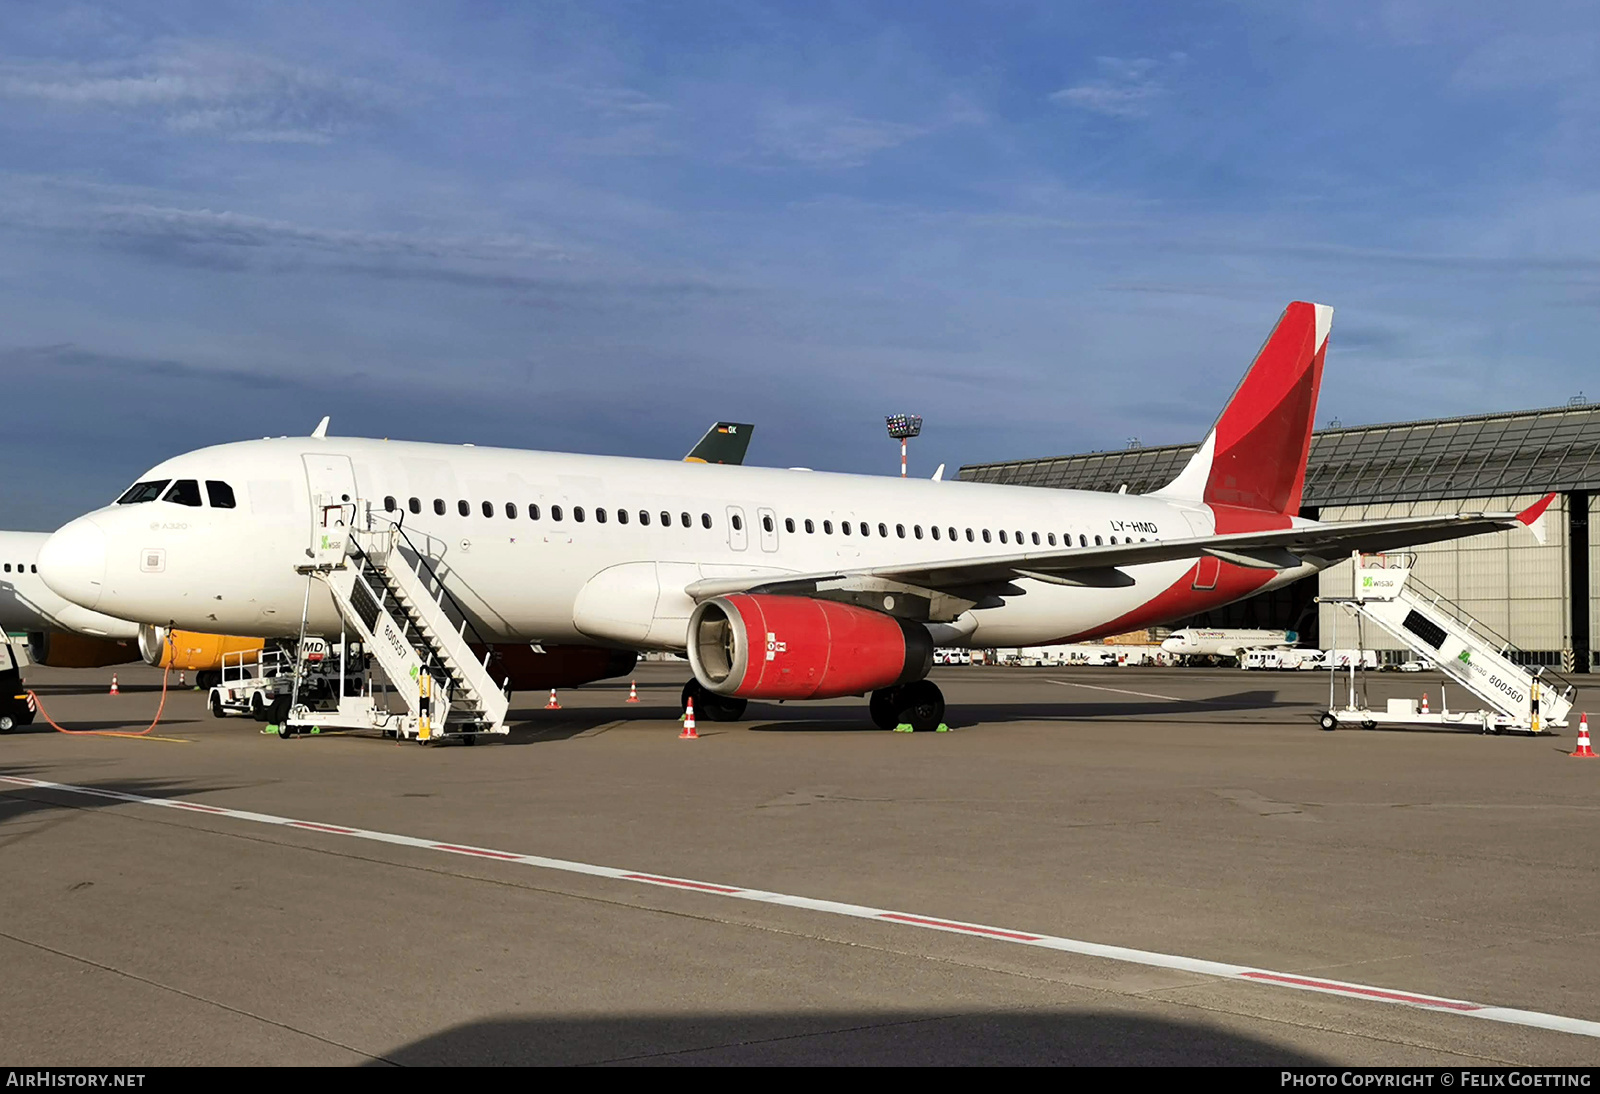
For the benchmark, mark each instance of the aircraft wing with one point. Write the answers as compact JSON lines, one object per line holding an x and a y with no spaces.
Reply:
{"x":725,"y":442}
{"x":1101,"y":567}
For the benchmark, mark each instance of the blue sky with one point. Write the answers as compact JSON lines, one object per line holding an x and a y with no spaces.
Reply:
{"x":1046,"y":228}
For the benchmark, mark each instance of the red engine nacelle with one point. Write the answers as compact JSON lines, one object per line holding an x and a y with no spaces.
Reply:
{"x":792,"y":647}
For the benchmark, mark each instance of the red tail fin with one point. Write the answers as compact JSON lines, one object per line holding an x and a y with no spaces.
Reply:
{"x":1255,"y":456}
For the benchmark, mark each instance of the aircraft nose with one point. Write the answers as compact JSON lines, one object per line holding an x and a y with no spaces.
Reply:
{"x":73,"y":562}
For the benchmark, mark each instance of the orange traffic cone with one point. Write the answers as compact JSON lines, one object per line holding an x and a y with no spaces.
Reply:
{"x":1424,"y":703}
{"x":633,"y":692}
{"x":552,"y":704}
{"x":688,"y":733}
{"x":1584,"y":751}
{"x":114,"y":684}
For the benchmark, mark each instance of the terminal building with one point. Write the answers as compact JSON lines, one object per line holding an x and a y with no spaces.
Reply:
{"x":1540,"y":598}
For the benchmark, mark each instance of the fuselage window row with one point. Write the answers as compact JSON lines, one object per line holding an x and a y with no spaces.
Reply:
{"x":221,"y":496}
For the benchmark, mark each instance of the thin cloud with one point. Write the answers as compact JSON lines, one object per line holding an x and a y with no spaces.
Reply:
{"x":210,"y":91}
{"x":1127,"y":88}
{"x":822,"y":138}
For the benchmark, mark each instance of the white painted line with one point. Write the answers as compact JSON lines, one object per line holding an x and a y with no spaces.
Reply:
{"x":1119,"y":691}
{"x":1347,"y":990}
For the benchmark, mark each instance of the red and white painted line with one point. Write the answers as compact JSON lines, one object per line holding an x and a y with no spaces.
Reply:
{"x":1149,"y":958}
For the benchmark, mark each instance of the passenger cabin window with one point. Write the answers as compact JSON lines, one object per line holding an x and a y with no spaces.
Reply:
{"x":688,"y":521}
{"x":738,"y":524}
{"x":143,"y":491}
{"x":844,"y":526}
{"x":578,"y":513}
{"x":864,"y":529}
{"x":511,"y":510}
{"x":953,"y":535}
{"x":220,"y":494}
{"x":883,"y":530}
{"x":969,"y":535}
{"x":766,"y":524}
{"x":1097,"y":542}
{"x":533,"y":511}
{"x":1003,"y":535}
{"x":1052,"y":538}
{"x":827,"y":527}
{"x":666,"y":519}
{"x":935,"y":531}
{"x":916,"y":530}
{"x":438,"y":506}
{"x":388,"y":502}
{"x":1036,"y":539}
{"x":788,"y":524}
{"x":705,"y":519}
{"x":644,"y":517}
{"x":184,"y":492}
{"x":488,"y":508}
{"x":463,"y":508}
{"x":415,"y":505}
{"x":622,"y":516}
{"x":810,"y":528}
{"x":555,"y":512}
{"x":600,"y":516}
{"x":986,"y":535}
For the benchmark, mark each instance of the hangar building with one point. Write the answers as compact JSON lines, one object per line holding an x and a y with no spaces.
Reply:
{"x":1542,"y":599}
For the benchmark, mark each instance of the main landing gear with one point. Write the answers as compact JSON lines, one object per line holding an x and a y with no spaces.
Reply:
{"x":708,"y":704}
{"x":919,"y":705}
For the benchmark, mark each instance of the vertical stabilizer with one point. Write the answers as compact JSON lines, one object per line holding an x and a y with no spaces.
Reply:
{"x":1255,"y":456}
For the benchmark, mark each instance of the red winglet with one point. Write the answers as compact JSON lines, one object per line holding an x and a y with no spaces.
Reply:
{"x":1536,"y":510}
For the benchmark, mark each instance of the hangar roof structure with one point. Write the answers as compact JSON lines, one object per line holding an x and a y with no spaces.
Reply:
{"x":1480,"y":455}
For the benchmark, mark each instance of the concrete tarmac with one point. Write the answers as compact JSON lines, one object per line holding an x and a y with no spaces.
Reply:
{"x":1198,"y":813}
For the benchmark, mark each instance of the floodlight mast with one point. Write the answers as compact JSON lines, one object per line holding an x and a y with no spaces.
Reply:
{"x":901,"y":427}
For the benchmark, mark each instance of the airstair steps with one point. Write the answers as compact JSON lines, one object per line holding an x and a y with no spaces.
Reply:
{"x":422,"y":653}
{"x":1461,"y":647}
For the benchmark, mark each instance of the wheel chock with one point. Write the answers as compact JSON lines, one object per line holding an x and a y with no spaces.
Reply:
{"x":904,"y":727}
{"x":942,"y":728}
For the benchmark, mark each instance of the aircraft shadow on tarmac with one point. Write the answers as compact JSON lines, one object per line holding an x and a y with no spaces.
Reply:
{"x":880,"y":1037}
{"x":535,"y":726}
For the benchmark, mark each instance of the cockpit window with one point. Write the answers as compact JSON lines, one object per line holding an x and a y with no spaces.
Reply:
{"x":221,"y":494}
{"x":183,"y":492}
{"x":143,"y":491}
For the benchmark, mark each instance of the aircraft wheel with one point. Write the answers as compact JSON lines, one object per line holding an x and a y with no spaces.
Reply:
{"x":208,"y":679}
{"x":284,"y":731}
{"x":258,"y":707}
{"x":1328,"y":721}
{"x":1369,"y":724}
{"x":922,"y":705}
{"x":216,"y":706}
{"x":7,"y":723}
{"x":725,"y":708}
{"x":884,"y":706}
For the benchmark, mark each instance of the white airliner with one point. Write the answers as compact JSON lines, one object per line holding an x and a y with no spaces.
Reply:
{"x":1207,"y":641}
{"x":778,"y":584}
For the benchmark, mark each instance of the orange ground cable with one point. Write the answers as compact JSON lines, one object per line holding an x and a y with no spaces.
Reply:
{"x":34,"y":698}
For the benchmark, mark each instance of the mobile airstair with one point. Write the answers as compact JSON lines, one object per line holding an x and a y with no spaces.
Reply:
{"x":1519,"y":698}
{"x":408,"y":668}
